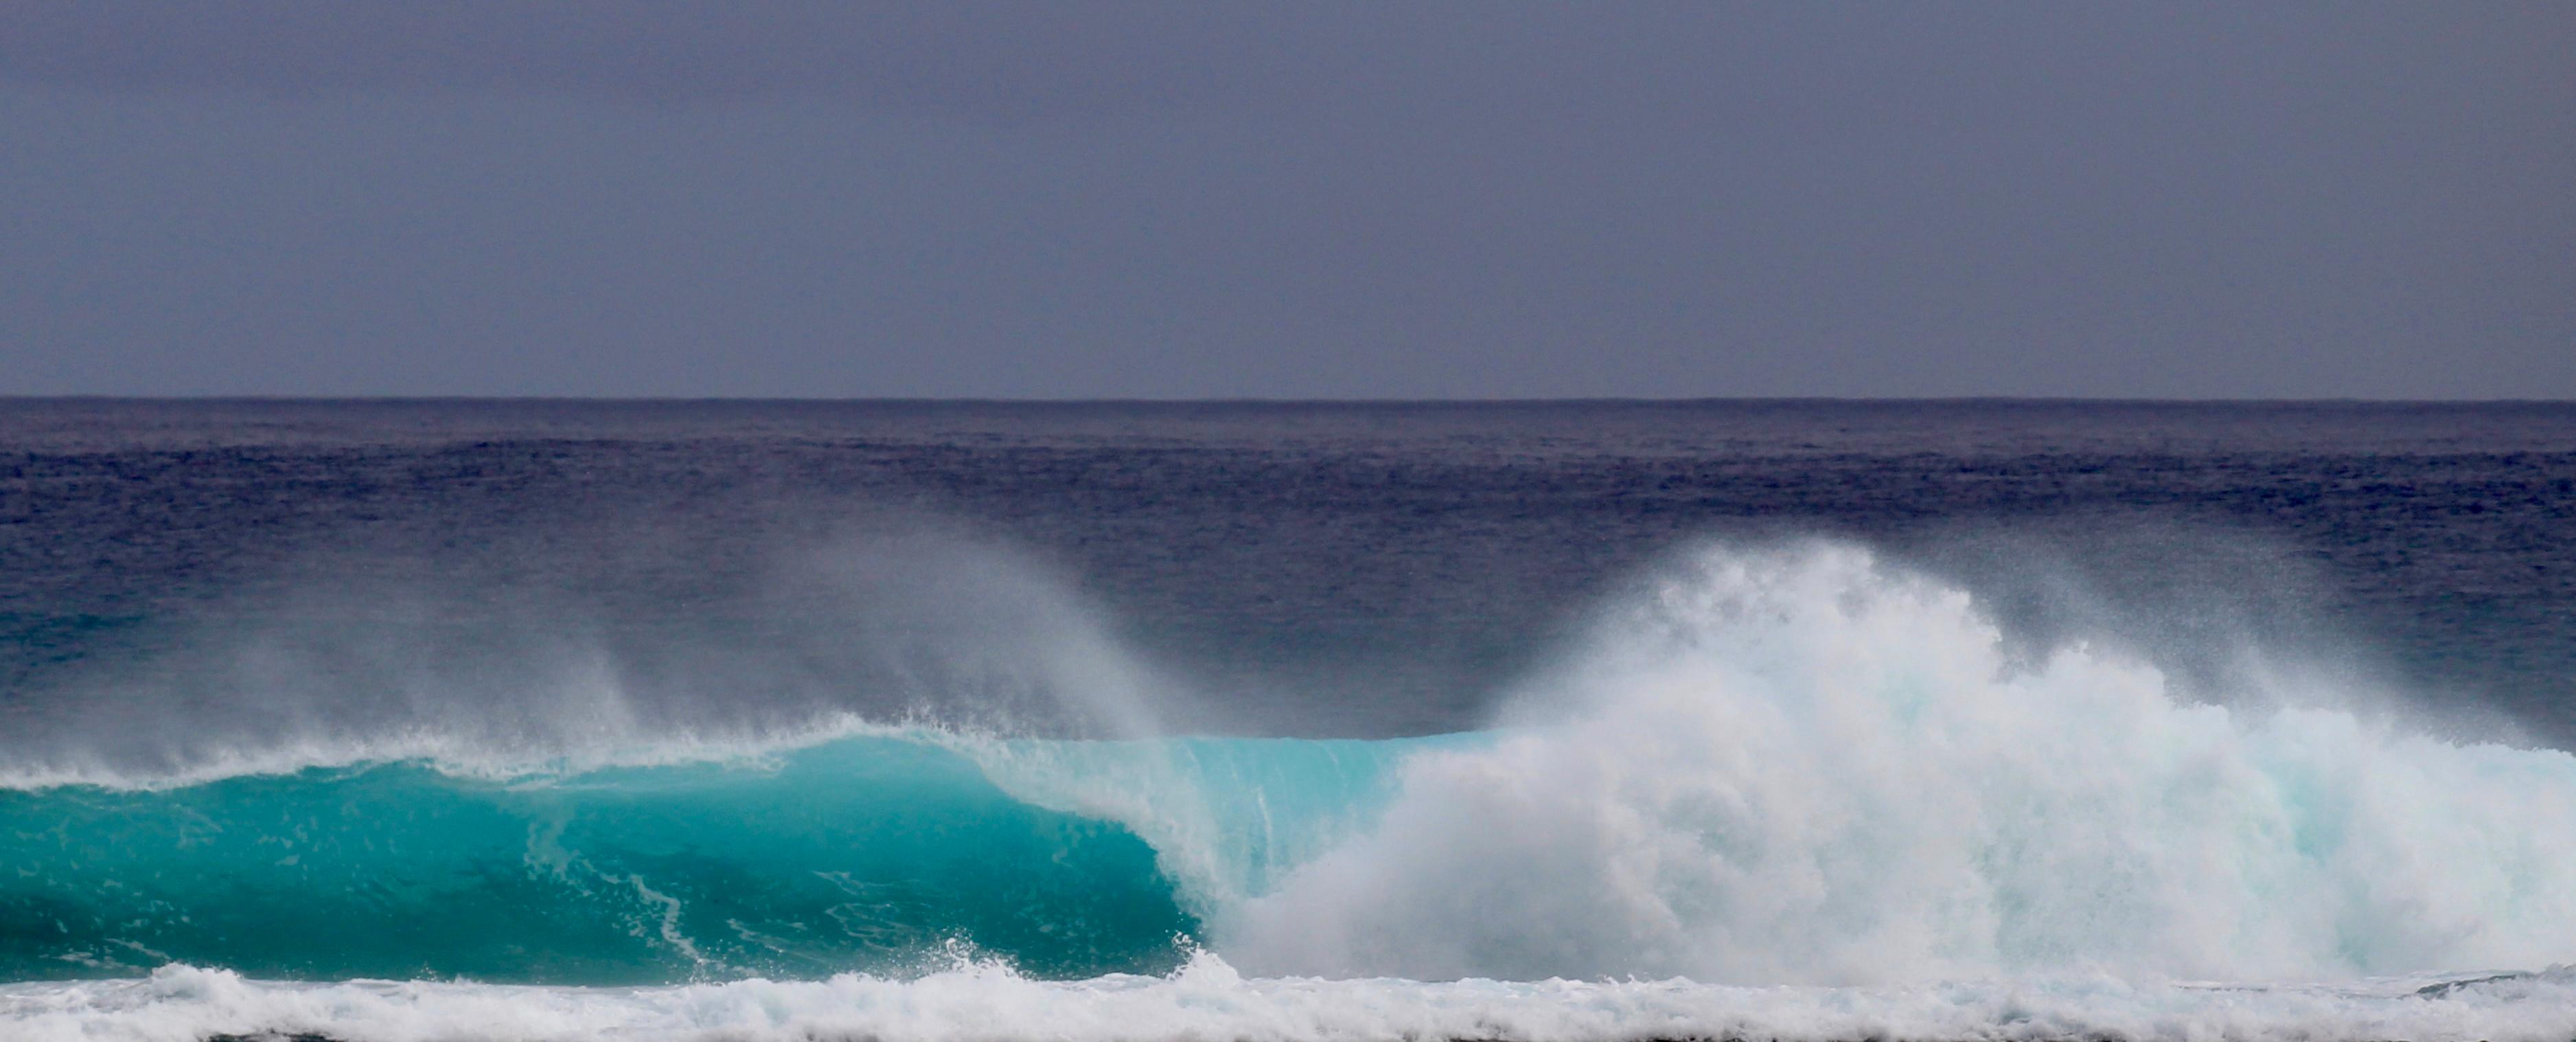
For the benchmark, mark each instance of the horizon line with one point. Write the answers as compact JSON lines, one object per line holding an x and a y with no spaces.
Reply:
{"x":585,"y":399}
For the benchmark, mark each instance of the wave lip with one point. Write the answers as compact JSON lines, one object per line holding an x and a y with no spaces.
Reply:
{"x":1206,"y":998}
{"x":450,"y":755}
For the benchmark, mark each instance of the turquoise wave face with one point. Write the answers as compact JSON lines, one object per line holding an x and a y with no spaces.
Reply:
{"x":865,"y":853}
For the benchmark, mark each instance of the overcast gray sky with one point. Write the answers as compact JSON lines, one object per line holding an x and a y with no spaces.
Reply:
{"x":1291,"y":200}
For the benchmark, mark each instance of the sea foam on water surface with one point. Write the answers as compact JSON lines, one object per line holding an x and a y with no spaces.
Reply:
{"x":1206,"y":1000}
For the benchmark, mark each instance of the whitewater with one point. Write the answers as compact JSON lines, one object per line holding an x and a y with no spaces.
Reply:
{"x":1786,"y":791}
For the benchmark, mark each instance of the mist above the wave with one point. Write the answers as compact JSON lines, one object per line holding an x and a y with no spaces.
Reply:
{"x":2225,"y":615}
{"x":550,"y":649}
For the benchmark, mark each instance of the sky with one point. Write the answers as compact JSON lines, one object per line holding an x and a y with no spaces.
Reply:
{"x":1292,"y":200}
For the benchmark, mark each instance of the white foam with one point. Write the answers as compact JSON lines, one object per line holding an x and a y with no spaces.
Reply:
{"x":1207,"y":1000}
{"x":1799,"y":766}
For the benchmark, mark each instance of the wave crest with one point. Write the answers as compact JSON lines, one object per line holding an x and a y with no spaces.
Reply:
{"x":1804,"y":766}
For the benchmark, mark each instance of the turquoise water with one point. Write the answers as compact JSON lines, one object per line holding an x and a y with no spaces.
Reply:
{"x":882,"y":852}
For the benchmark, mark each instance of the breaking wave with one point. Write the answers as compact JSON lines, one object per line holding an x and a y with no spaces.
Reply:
{"x":1797,"y":766}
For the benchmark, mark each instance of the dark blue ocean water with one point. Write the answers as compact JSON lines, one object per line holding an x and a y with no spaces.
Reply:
{"x":1328,"y":569}
{"x":616,"y":693}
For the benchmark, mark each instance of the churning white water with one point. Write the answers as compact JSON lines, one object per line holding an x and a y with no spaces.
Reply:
{"x":1803,"y":766}
{"x":1208,"y":1000}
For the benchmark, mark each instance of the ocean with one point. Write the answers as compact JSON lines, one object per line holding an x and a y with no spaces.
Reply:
{"x":399,"y":721}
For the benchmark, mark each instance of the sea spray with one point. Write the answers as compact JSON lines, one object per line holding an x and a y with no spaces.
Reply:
{"x":1801,"y":765}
